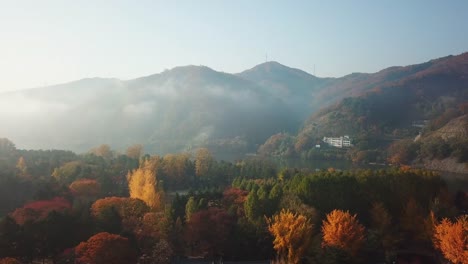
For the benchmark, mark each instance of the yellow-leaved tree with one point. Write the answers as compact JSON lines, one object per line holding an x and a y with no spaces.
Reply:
{"x":22,"y":167}
{"x":292,"y":235}
{"x":134,"y":151}
{"x":103,"y":150}
{"x":203,"y":162}
{"x":342,"y":230}
{"x":175,"y":167}
{"x":452,"y":239}
{"x":143,"y":184}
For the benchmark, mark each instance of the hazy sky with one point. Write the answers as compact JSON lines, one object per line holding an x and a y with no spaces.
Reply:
{"x":44,"y":42}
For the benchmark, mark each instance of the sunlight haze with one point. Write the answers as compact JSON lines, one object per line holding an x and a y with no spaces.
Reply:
{"x":233,"y":131}
{"x":50,"y":42}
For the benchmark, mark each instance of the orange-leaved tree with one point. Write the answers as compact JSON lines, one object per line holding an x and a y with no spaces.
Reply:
{"x":153,"y":225}
{"x":129,"y":210}
{"x":9,"y":261}
{"x":452,"y":239}
{"x":126,"y":207}
{"x":342,"y":230}
{"x":85,"y":187}
{"x":143,"y":184}
{"x":292,"y":235}
{"x":105,"y":248}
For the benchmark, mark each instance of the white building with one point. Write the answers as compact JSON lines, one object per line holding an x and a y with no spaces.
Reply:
{"x":420,"y":123}
{"x":339,"y":142}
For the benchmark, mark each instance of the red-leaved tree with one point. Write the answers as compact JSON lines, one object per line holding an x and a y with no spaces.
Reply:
{"x":105,"y":248}
{"x":85,"y":187}
{"x":38,"y":210}
{"x":208,"y":230}
{"x":9,"y":261}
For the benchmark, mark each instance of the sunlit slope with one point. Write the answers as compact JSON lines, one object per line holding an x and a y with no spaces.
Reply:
{"x":385,"y":106}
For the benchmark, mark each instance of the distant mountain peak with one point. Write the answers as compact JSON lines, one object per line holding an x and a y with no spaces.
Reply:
{"x":192,"y":68}
{"x":274,"y":68}
{"x":271,"y":66}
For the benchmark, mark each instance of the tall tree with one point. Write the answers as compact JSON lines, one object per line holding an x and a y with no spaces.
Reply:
{"x":252,"y":207}
{"x":452,"y":239}
{"x":175,"y":168}
{"x":22,"y":167}
{"x":342,"y":230}
{"x":292,"y":234}
{"x":203,"y":162}
{"x":190,"y":208}
{"x":143,"y":184}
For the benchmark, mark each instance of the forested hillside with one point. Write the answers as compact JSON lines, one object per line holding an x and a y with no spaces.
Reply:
{"x":271,"y":108}
{"x":299,"y":89}
{"x":176,"y":110}
{"x":382,"y":108}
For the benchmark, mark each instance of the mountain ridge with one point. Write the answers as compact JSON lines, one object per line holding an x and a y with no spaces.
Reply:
{"x":380,"y":108}
{"x":192,"y":106}
{"x":172,"y":111}
{"x":258,"y":66}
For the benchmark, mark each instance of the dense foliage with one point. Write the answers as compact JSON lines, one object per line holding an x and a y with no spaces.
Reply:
{"x":105,"y":207}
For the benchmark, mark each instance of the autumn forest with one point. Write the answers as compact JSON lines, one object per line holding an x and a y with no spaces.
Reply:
{"x":233,"y":132}
{"x":110,"y":207}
